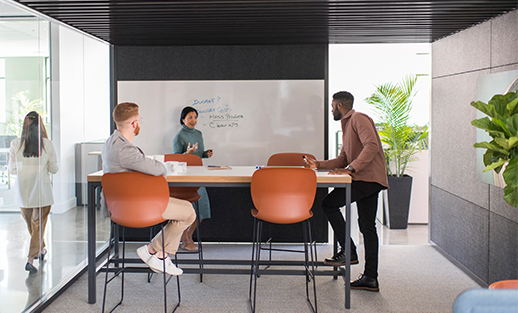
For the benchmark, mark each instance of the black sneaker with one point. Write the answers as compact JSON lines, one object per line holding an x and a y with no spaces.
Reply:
{"x":339,"y":259}
{"x":365,"y":283}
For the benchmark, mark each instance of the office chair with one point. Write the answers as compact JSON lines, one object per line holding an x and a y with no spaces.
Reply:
{"x":189,"y":194}
{"x":282,"y":195}
{"x":135,"y":200}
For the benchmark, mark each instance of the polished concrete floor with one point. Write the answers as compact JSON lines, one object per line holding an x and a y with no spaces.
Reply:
{"x":66,"y":245}
{"x":65,"y":237}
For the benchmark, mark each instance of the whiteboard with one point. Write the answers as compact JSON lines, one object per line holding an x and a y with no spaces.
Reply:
{"x":244,"y":122}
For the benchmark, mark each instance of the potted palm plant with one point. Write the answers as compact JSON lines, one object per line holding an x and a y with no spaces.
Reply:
{"x":502,"y":151}
{"x":392,"y":103}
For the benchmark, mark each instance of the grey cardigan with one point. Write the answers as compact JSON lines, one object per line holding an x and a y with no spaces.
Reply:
{"x":120,"y":155}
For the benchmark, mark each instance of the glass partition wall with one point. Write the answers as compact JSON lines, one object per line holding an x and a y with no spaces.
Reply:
{"x":63,"y":75}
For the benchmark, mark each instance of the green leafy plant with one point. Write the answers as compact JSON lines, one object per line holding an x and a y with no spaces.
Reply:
{"x":23,"y":105}
{"x":401,"y":141}
{"x":502,"y":126}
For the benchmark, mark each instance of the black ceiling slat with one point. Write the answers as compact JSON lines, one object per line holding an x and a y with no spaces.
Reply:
{"x":215,"y":22}
{"x":359,"y":10}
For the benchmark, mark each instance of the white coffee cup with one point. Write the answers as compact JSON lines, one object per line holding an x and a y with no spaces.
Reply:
{"x":182,"y":167}
{"x":159,"y":158}
{"x":172,"y":167}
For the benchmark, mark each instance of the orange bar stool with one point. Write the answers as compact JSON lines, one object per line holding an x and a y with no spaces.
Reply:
{"x":505,"y":284}
{"x":135,"y":200}
{"x":283,"y":195}
{"x":288,"y":159}
{"x":189,"y":194}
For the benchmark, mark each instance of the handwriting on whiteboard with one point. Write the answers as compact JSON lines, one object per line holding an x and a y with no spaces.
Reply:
{"x":205,"y":101}
{"x":216,"y":114}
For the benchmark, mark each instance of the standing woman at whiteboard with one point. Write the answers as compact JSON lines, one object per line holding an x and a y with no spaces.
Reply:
{"x":189,"y":140}
{"x":32,"y":158}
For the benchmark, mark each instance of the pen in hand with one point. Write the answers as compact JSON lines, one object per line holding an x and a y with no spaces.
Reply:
{"x":310,"y":163}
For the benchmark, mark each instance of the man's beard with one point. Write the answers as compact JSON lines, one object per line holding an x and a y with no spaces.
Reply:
{"x":137,"y":130}
{"x":337,"y":115}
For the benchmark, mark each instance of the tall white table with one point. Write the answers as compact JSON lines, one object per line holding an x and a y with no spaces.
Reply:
{"x":200,"y":176}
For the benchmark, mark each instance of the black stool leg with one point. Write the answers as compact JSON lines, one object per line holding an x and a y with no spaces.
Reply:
{"x":123,"y":260}
{"x":255,"y":271}
{"x":116,"y":273}
{"x":116,"y":244}
{"x":178,"y":285}
{"x":108,"y":264}
{"x":166,"y":281}
{"x":164,"y":273}
{"x":310,"y":274}
{"x":150,"y":273}
{"x":253,"y":258}
{"x":198,"y":234}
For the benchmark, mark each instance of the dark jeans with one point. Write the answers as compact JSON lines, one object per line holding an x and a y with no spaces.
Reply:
{"x":365,"y":194}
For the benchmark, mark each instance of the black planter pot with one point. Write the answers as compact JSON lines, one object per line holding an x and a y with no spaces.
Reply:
{"x":399,"y":201}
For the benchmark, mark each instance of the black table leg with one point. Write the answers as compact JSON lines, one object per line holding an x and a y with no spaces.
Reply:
{"x":347,"y":271}
{"x":91,"y":242}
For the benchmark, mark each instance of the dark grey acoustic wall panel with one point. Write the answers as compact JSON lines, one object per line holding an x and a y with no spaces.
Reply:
{"x":222,"y":62}
{"x":461,"y":229}
{"x":498,"y":205}
{"x":503,"y":248}
{"x":470,"y":220}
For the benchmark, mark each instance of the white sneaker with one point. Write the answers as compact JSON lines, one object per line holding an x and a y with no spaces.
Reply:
{"x":157,"y":266}
{"x":144,"y":254}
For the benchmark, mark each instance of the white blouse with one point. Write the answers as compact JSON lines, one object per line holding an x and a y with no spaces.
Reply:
{"x":33,"y":187}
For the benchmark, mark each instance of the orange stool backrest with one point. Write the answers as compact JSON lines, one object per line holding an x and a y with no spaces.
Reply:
{"x":185,"y":193}
{"x":191,"y":159}
{"x":283,"y":195}
{"x":288,"y":159}
{"x":505,"y":284}
{"x":135,"y":199}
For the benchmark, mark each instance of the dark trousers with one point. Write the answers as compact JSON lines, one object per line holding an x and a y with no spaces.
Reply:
{"x":365,"y":194}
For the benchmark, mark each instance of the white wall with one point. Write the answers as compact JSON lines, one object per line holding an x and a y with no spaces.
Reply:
{"x":419,"y":201}
{"x":83,"y":96}
{"x":358,"y":68}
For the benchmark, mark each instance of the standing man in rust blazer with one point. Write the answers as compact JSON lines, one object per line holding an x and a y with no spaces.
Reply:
{"x":361,"y":157}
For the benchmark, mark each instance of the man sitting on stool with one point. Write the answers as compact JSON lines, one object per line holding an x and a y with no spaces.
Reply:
{"x":120,"y":155}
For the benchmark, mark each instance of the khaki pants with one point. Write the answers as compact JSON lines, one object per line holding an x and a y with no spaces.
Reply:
{"x":181,"y":215}
{"x":36,"y":219}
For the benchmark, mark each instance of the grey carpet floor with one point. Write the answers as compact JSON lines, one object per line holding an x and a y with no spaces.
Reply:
{"x":412,"y":279}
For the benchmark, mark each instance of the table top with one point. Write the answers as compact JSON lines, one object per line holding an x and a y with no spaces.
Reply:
{"x":237,"y":174}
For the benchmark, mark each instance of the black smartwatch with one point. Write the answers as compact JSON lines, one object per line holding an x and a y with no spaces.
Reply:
{"x":350,"y":168}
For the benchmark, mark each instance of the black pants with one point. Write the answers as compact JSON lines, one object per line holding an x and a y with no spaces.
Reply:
{"x":365,"y":194}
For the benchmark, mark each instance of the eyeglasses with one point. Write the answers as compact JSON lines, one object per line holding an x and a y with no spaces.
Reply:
{"x":140,"y":120}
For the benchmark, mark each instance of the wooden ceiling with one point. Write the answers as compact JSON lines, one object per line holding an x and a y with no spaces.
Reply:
{"x":269,"y":22}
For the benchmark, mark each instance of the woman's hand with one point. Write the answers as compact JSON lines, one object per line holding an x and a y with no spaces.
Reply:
{"x":209,"y":153}
{"x":191,"y":149}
